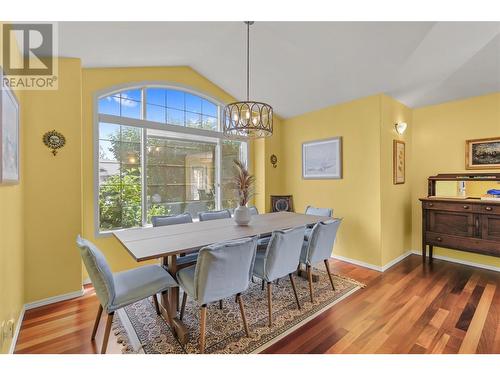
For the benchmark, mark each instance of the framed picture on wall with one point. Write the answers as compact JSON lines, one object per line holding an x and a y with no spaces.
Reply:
{"x":398,"y":162}
{"x":9,"y":135}
{"x":482,"y":153}
{"x":322,"y":159}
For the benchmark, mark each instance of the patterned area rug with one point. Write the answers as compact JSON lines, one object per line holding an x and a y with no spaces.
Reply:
{"x":224,"y":332}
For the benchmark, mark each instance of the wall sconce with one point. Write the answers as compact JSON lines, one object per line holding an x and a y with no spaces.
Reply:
{"x":274,"y":160}
{"x":401,"y":127}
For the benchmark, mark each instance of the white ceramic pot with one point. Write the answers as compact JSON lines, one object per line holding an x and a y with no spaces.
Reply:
{"x":242,"y":215}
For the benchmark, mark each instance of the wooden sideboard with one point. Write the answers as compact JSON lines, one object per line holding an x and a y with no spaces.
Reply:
{"x":471,"y":224}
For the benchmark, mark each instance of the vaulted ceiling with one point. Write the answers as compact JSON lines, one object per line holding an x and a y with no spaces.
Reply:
{"x":298,"y":67}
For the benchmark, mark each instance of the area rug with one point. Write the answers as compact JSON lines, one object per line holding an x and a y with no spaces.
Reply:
{"x":224,"y":331}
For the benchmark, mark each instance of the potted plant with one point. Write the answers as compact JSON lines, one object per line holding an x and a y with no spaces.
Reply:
{"x":244,"y":185}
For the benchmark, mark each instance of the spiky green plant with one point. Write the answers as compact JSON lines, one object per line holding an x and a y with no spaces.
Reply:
{"x":244,"y":183}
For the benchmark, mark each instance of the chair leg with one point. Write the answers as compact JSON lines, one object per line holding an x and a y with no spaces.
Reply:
{"x":96,"y":324}
{"x":221,"y":305}
{"x":270,"y":303}
{"x":310,"y":279}
{"x":294,"y":290}
{"x":262,"y":286}
{"x":243,"y":316}
{"x":203,"y":323}
{"x":106,"y":333}
{"x":183,"y":307}
{"x":299,"y":270}
{"x":327,"y":265}
{"x":157,"y":305}
{"x":278,"y":281}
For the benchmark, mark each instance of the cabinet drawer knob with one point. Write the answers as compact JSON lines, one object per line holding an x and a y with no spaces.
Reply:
{"x":431,"y":204}
{"x":439,"y":239}
{"x":466,"y":207}
{"x":488,"y":208}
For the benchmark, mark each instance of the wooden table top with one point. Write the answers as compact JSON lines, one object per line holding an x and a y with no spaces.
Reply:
{"x":158,"y":242}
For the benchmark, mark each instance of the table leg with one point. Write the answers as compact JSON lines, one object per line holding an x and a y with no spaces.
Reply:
{"x":169,"y":301}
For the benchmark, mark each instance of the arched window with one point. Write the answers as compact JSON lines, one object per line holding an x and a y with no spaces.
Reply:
{"x":160,"y":151}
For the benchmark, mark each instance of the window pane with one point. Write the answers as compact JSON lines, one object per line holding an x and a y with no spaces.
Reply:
{"x":156,"y":113}
{"x":119,"y":177}
{"x":193,"y":103}
{"x":130,"y":108}
{"x":131,"y":94}
{"x":156,"y":96}
{"x":231,"y":150}
{"x":209,"y":108}
{"x":175,"y":117}
{"x":175,"y":99}
{"x":180,"y":176}
{"x":109,"y":171}
{"x":193,"y":120}
{"x":109,"y":131}
{"x":130,"y":134}
{"x":110,"y":105}
{"x":109,"y":150}
{"x":209,"y":123}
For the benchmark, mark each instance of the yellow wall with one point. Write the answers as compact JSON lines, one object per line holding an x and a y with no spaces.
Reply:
{"x":355,"y":197}
{"x":52,"y":194}
{"x":12,"y":240}
{"x":439,"y":134}
{"x":395,"y":199}
{"x":12,"y":245}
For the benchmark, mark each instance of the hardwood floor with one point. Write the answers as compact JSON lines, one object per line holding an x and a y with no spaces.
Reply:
{"x":411,"y":308}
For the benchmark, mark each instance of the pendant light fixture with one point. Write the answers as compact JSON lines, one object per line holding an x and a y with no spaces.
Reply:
{"x":248,"y":119}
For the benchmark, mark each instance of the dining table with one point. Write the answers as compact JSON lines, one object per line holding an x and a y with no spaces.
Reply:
{"x":166,"y":243}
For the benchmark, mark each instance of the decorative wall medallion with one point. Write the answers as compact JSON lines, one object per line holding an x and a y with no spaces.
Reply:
{"x":280,"y":203}
{"x":54,"y":140}
{"x":274,"y":160}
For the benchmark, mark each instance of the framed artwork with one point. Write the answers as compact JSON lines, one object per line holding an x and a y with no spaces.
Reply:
{"x":322,"y":159}
{"x":398,"y":162}
{"x":9,"y":135}
{"x":280,"y":203}
{"x":482,"y":153}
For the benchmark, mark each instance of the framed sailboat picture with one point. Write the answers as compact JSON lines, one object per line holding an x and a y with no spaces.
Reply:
{"x":322,"y":159}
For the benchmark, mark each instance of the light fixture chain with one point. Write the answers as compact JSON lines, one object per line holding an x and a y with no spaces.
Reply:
{"x":248,"y":61}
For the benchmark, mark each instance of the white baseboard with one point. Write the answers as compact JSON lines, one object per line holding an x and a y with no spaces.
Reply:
{"x":16,"y":332}
{"x":460,"y":261}
{"x":48,"y":301}
{"x":86,"y":281}
{"x":358,"y":263}
{"x":372,"y":266}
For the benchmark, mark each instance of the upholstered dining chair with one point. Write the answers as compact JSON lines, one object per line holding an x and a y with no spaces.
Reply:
{"x":164,"y":220}
{"x":253,"y":210}
{"x":279,"y":260}
{"x":214,"y":215}
{"x":319,"y":248}
{"x":222,"y":270}
{"x":118,"y":290}
{"x":310,"y":210}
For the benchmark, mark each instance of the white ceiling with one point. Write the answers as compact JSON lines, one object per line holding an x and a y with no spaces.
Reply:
{"x":298,"y":67}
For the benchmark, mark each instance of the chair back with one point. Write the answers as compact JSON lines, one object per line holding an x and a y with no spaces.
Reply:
{"x":310,"y":210}
{"x":253,"y":210}
{"x":214,"y":215}
{"x":224,"y":269}
{"x":160,"y":221}
{"x":99,"y":272}
{"x":283,"y":253}
{"x":321,"y":241}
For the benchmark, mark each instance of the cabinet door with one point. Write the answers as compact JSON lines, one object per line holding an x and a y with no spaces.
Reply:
{"x":490,"y":227}
{"x":454,"y":223}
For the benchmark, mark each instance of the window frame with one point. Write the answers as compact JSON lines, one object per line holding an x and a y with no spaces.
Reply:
{"x":180,"y":132}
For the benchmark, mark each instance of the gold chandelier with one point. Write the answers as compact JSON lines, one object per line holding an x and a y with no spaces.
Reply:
{"x":248,"y":119}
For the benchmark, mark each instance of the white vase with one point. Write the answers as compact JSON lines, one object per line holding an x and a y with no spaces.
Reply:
{"x":242,"y":215}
